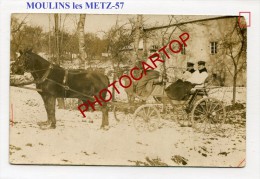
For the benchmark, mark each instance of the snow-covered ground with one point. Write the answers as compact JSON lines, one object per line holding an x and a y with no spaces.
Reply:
{"x":78,"y":141}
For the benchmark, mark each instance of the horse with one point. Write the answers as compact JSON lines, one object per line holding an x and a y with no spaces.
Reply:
{"x":53,"y":81}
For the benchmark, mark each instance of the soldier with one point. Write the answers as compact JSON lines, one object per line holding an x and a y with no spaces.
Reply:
{"x":179,"y":90}
{"x":189,"y":71}
{"x":200,"y":75}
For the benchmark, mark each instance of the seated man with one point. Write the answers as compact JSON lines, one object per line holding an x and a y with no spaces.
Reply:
{"x":180,"y":90}
{"x":189,"y":71}
{"x":143,"y":87}
{"x":199,"y":76}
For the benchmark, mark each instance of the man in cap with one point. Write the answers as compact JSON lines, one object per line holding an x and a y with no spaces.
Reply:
{"x":189,"y":71}
{"x":179,"y":90}
{"x":200,"y":75}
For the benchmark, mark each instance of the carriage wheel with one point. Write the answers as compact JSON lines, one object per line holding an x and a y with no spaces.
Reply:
{"x":208,"y":115}
{"x":146,"y":117}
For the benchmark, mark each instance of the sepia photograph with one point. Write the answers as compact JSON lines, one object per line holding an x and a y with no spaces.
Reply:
{"x":128,"y":90}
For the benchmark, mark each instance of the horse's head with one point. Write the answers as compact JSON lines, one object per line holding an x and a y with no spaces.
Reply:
{"x":22,"y":63}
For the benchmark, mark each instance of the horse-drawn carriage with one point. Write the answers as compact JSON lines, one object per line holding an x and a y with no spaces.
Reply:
{"x":197,"y":109}
{"x":203,"y":113}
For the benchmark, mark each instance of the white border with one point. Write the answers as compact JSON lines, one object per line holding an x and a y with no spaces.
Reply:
{"x":184,"y":7}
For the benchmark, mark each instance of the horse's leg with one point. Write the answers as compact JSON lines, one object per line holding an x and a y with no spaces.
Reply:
{"x":44,"y":97}
{"x":105,"y":122}
{"x":51,"y":101}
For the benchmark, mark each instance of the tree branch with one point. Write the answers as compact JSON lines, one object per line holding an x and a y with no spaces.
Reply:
{"x":20,"y":25}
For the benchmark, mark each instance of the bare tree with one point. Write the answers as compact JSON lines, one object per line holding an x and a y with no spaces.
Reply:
{"x":16,"y":26}
{"x":57,"y":38}
{"x":61,"y":102}
{"x":119,"y":39}
{"x":49,"y":36}
{"x":24,"y":36}
{"x":138,"y":25}
{"x":234,"y":45}
{"x":62,"y":31}
{"x":164,"y":33}
{"x":81,"y":36}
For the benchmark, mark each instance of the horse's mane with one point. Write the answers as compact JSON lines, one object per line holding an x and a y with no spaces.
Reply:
{"x":40,"y":59}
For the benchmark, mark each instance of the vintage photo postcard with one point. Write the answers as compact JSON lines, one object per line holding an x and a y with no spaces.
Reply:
{"x":128,"y":90}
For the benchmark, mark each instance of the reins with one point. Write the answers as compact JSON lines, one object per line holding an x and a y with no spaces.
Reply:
{"x":41,"y":80}
{"x":67,"y":88}
{"x":44,"y":78}
{"x":34,"y":89}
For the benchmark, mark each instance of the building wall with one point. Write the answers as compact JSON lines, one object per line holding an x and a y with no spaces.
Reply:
{"x":198,"y":48}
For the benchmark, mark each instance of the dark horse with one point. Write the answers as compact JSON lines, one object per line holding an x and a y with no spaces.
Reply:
{"x":53,"y":82}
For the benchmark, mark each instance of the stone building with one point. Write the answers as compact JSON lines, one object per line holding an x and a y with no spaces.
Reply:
{"x":205,"y":43}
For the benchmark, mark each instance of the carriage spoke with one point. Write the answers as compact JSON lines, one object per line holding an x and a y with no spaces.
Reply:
{"x":212,"y":124}
{"x":145,"y":114}
{"x":196,"y":116}
{"x":221,"y":109}
{"x":206,"y":105}
{"x":213,"y":115}
{"x":203,"y":108}
{"x":210,"y":106}
{"x":148,"y":118}
{"x":148,"y":111}
{"x":153,"y":120}
{"x":199,"y":111}
{"x":215,"y":107}
{"x":152,"y":113}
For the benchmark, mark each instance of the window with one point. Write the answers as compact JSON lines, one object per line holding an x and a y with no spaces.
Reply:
{"x":183,"y":50}
{"x":154,"y":47}
{"x":213,"y":48}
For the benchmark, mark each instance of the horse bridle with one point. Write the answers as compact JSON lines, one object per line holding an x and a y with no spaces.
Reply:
{"x":38,"y":81}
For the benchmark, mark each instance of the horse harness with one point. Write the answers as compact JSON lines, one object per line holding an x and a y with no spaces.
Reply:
{"x":41,"y":80}
{"x":45,"y":77}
